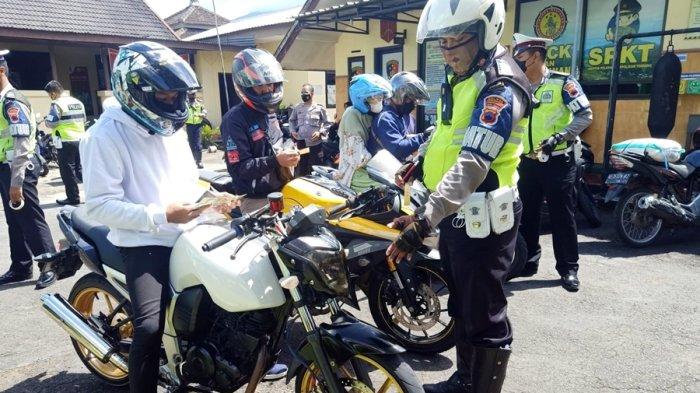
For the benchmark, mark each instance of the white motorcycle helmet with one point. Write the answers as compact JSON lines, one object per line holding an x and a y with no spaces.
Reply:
{"x":450,"y":18}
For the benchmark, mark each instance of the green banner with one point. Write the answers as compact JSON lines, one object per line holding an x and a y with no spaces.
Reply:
{"x":542,"y":18}
{"x":638,"y":56}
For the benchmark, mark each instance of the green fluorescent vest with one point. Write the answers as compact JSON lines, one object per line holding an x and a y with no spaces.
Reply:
{"x":446,"y":143}
{"x":551,"y":116}
{"x":6,"y":140}
{"x":71,"y":124}
{"x":195,"y":112}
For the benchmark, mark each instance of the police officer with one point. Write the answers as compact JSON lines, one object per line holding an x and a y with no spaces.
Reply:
{"x":470,"y":167}
{"x":67,"y":119}
{"x":19,"y":168}
{"x":194,"y":123}
{"x":307,"y":123}
{"x":548,"y":167}
{"x":394,"y":129}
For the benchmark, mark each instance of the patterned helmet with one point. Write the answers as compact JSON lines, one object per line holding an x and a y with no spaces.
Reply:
{"x":141,"y":70}
{"x":365,"y":86}
{"x":409,"y":85}
{"x":257,"y":67}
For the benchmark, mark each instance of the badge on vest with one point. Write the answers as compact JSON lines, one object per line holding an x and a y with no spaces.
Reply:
{"x":547,"y":97}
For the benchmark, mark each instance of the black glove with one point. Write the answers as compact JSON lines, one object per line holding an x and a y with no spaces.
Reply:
{"x":547,"y":146}
{"x":415,"y":230}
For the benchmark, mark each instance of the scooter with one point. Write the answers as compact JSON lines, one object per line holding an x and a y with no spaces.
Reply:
{"x":654,"y":195}
{"x":232,"y":289}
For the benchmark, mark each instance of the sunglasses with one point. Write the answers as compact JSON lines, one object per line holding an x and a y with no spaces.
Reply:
{"x":444,"y":47}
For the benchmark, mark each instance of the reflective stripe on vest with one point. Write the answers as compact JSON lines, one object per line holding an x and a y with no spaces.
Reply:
{"x":6,"y":140}
{"x":446,"y":143}
{"x":71,"y":123}
{"x":550,"y":117}
{"x":194,"y":113}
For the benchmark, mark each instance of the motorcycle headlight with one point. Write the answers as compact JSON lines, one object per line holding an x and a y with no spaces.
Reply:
{"x":321,"y":259}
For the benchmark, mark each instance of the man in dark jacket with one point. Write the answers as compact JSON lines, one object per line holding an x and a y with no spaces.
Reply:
{"x":258,"y":158}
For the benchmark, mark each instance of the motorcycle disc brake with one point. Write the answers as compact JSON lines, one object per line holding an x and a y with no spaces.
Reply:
{"x":424,"y":321}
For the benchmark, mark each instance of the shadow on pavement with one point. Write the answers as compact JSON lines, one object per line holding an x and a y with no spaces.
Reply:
{"x":14,"y":285}
{"x":50,"y":205}
{"x":62,"y":382}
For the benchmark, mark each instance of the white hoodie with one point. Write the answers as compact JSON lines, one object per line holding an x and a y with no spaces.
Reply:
{"x":130,"y":178}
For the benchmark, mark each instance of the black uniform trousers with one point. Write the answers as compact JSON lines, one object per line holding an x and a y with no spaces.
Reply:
{"x":554,"y":180}
{"x":194,"y":137}
{"x":477,"y":269}
{"x":29,"y":234}
{"x":147,"y":271}
{"x":69,"y":167}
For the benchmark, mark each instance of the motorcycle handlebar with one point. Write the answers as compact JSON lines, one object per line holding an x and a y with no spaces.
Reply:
{"x":237,"y":229}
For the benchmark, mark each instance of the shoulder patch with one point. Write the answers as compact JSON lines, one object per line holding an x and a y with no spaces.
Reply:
{"x":571,"y":89}
{"x":493,"y":105}
{"x":13,"y":114}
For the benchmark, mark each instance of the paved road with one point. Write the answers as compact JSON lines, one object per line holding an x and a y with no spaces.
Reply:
{"x":632,"y":327}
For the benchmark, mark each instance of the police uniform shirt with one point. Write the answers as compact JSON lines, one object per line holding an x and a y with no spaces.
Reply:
{"x":18,"y":116}
{"x":306,"y":120}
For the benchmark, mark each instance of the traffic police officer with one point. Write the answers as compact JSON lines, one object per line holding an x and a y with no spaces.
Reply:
{"x":548,"y":168}
{"x":19,"y":168}
{"x":470,"y":167}
{"x":67,"y":118}
{"x":306,"y":123}
{"x":194,"y":123}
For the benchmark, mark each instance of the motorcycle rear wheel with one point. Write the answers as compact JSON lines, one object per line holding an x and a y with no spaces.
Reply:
{"x":435,"y":328}
{"x":90,"y":296}
{"x":635,"y":228}
{"x":366,"y":373}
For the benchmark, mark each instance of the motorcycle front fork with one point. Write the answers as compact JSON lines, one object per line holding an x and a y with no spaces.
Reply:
{"x":407,"y":287}
{"x":312,"y":333}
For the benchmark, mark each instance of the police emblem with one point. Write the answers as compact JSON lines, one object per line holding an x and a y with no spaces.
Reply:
{"x":493,"y":105}
{"x":551,"y":22}
{"x":547,"y":96}
{"x":13,"y":114}
{"x":571,"y":89}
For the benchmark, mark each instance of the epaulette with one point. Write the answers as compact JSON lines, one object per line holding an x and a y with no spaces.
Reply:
{"x":558,"y":75}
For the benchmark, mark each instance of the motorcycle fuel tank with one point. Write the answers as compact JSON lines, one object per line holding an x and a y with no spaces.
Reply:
{"x":247,"y":282}
{"x":303,"y":192}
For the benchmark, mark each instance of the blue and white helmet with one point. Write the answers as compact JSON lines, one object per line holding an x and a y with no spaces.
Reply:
{"x":143,"y":68}
{"x":365,"y":86}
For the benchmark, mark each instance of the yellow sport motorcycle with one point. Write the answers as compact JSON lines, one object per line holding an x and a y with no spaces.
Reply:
{"x":408,"y":300}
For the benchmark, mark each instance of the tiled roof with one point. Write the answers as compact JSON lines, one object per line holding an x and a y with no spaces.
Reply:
{"x":122,"y":18}
{"x":249,"y":22}
{"x":194,"y":15}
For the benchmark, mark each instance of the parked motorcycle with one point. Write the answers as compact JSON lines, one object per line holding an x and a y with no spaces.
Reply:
{"x":228,"y":310}
{"x":585,"y":201}
{"x":45,"y":149}
{"x":408,"y":300}
{"x":653,"y":195}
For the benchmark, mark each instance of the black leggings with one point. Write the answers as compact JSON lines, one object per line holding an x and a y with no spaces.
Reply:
{"x":147,"y":270}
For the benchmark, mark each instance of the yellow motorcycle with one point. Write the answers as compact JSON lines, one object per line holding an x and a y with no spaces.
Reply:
{"x":408,"y":300}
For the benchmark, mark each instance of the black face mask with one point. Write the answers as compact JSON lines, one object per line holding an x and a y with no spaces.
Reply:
{"x":521,"y":63}
{"x":406,"y":107}
{"x":306,"y":97}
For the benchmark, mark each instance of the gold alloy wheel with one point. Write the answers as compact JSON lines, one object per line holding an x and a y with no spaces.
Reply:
{"x":380,"y":380}
{"x":92,"y":302}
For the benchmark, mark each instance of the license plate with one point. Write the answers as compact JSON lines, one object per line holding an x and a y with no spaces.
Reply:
{"x":618,"y":178}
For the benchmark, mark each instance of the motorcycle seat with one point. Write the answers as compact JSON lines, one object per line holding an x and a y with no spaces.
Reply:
{"x":220,"y":181}
{"x":96,"y":234}
{"x":683,"y":169}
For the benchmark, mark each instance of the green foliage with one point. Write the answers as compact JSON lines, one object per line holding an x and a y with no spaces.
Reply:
{"x":210,"y":136}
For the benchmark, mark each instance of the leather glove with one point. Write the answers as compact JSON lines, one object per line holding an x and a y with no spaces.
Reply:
{"x":415,"y":230}
{"x":547,"y":146}
{"x":428,"y":131}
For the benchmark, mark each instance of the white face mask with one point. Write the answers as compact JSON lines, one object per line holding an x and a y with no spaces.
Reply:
{"x":376,"y":107}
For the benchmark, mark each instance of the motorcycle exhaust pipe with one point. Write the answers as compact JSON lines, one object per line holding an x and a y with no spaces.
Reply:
{"x":75,"y":325}
{"x":665,"y":210}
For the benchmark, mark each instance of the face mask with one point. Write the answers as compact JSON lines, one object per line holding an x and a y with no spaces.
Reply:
{"x":305,"y":97}
{"x":522,"y":63}
{"x":406,"y":107}
{"x":376,"y":107}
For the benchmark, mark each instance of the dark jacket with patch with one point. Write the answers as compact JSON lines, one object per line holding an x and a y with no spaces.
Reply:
{"x":250,"y":157}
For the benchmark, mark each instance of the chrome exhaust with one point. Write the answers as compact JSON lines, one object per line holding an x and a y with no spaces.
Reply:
{"x":75,"y":325}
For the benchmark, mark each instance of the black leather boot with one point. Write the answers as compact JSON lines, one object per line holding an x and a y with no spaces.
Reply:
{"x":570,"y":281}
{"x":453,"y":385}
{"x":489,"y":369}
{"x":46,"y":278}
{"x":12,"y":276}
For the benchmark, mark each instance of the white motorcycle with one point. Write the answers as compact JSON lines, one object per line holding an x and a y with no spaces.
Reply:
{"x":232,"y":292}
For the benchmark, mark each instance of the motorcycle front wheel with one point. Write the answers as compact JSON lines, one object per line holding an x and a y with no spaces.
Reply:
{"x":634,"y":226}
{"x":430,"y":332}
{"x":95,"y":298}
{"x":365,"y":373}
